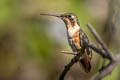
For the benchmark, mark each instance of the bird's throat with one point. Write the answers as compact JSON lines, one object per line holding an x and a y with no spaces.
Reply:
{"x":72,"y":30}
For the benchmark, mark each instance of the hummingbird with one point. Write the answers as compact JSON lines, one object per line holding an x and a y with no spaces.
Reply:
{"x":75,"y":36}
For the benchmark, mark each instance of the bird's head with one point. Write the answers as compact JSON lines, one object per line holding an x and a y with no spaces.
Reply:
{"x":70,"y":19}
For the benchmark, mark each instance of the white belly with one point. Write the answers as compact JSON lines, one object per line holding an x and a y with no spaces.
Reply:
{"x":72,"y":43}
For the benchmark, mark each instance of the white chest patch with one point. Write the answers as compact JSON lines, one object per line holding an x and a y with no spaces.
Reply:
{"x":73,"y":30}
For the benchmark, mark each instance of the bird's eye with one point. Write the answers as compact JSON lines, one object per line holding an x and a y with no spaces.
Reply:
{"x":69,"y":16}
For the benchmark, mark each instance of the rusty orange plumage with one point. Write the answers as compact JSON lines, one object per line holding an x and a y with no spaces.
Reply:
{"x":75,"y":37}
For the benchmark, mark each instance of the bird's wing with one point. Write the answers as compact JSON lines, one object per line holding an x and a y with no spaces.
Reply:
{"x":87,"y":55}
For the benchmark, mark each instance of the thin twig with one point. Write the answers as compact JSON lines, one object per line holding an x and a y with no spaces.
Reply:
{"x":72,"y":53}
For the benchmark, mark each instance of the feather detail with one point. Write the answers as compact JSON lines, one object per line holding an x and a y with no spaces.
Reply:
{"x":85,"y":63}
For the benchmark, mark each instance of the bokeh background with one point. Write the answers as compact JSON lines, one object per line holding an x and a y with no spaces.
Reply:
{"x":31,"y":45}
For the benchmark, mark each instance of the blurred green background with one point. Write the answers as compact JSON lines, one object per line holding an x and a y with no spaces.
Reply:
{"x":31,"y":45}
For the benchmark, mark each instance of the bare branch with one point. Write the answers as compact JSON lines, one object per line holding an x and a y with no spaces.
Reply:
{"x":99,"y":40}
{"x":67,"y":67}
{"x":109,"y":68}
{"x":105,"y":53}
{"x":99,"y":51}
{"x":74,"y":60}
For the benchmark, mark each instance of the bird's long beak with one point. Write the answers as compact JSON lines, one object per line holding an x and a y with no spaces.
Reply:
{"x":56,"y":15}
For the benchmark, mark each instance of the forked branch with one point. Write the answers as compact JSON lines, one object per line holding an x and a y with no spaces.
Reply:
{"x":104,"y":52}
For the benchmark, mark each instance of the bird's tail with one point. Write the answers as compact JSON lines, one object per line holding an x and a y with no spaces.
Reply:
{"x":85,"y":62}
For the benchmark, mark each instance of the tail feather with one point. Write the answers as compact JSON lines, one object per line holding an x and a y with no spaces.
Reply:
{"x":85,"y":63}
